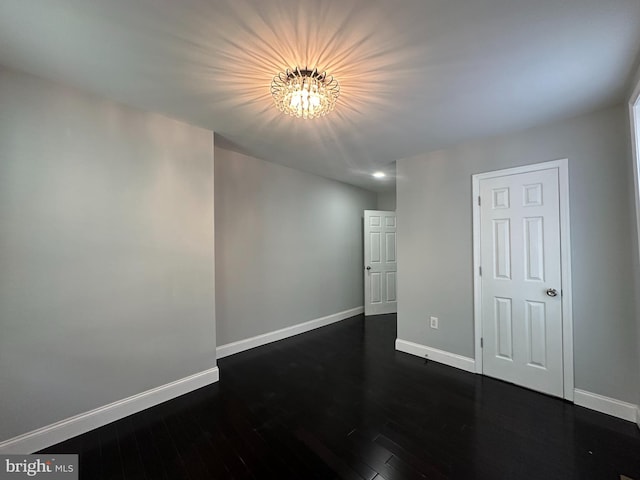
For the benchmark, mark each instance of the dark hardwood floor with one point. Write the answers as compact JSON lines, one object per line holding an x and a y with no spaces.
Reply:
{"x":340,"y":402}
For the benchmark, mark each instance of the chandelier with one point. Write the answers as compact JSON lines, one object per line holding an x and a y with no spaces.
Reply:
{"x":305,"y":93}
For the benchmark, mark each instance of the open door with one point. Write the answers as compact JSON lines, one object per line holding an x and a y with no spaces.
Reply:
{"x":380,"y":264}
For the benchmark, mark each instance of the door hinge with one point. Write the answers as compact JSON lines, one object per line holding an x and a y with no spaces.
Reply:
{"x":478,"y":200}
{"x":480,"y":270}
{"x":482,"y":343}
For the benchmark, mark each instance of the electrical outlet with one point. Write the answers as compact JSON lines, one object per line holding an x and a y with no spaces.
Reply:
{"x":434,"y":322}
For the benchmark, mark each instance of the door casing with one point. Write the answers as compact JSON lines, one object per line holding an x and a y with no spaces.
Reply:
{"x":565,"y":255}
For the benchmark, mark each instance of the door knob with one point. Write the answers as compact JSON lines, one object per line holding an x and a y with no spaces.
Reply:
{"x":552,"y":292}
{"x":368,"y":267}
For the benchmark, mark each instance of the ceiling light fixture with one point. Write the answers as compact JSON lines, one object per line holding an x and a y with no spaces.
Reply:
{"x":379,"y":175}
{"x":305,"y":93}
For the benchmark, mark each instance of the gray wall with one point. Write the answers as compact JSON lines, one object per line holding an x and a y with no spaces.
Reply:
{"x":288,"y":246}
{"x":387,"y":201}
{"x":106,"y":252}
{"x":435,"y":243}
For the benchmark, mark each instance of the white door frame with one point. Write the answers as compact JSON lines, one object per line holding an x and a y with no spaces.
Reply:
{"x":387,"y":306}
{"x":565,"y":255}
{"x":634,"y":114}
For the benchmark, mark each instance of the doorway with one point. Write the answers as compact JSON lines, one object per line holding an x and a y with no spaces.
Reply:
{"x":522,"y":277}
{"x":380,"y":263}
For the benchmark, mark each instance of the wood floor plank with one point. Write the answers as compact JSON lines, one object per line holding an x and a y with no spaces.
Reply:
{"x":340,"y":402}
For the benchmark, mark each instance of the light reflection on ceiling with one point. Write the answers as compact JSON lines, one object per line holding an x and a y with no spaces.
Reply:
{"x":415,"y":75}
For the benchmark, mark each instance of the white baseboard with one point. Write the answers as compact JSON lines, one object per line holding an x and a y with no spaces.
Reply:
{"x":610,"y":406}
{"x":440,"y":356}
{"x":65,"y":429}
{"x":638,"y":416}
{"x":248,"y":343}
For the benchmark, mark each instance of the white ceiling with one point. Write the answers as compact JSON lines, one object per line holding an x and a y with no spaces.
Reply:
{"x":415,"y":75}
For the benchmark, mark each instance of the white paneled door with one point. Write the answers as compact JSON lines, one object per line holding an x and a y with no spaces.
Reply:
{"x":521,"y":279}
{"x":380,"y":265}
